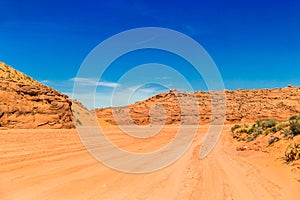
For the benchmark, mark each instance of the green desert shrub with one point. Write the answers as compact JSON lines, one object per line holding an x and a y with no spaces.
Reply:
{"x":292,"y":152}
{"x":243,"y":130}
{"x":273,"y":129}
{"x":295,"y":128}
{"x":250,"y":138}
{"x":273,"y":140}
{"x":78,"y":122}
{"x":254,"y":135}
{"x":287,"y":132}
{"x":253,"y":128}
{"x":259,"y":123}
{"x":267,"y":132}
{"x":269,"y":123}
{"x":259,"y":131}
{"x":236,"y":126}
{"x":281,"y":126}
{"x":295,"y":118}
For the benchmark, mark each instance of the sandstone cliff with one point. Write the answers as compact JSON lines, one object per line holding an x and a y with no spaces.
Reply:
{"x":26,"y":103}
{"x":241,"y":106}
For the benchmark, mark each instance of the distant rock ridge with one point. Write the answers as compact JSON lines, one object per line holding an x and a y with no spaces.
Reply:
{"x":241,"y":106}
{"x":26,"y":103}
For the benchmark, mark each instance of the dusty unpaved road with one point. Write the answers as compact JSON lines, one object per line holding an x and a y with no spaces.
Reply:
{"x":54,"y":164}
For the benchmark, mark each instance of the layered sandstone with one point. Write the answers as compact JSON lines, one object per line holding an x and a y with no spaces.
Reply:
{"x":26,"y":103}
{"x":241,"y":106}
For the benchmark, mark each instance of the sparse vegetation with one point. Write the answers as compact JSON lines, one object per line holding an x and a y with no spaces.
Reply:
{"x":282,"y":125}
{"x":286,"y":130}
{"x":273,"y":139}
{"x":292,"y":152}
{"x":8,"y":73}
{"x":268,"y":124}
{"x":259,"y":122}
{"x":251,"y":138}
{"x":236,"y":126}
{"x":78,"y":122}
{"x":295,"y":128}
{"x":260,"y":127}
{"x":295,"y":118}
{"x":244,"y":130}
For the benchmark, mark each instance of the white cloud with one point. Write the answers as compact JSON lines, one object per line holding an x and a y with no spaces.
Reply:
{"x":93,"y":82}
{"x":122,"y":96}
{"x":45,"y":81}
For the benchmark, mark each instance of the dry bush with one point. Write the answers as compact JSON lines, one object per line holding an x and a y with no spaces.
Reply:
{"x":292,"y":152}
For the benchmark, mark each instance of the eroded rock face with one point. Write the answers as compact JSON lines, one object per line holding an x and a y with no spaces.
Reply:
{"x":242,"y":106}
{"x":25,"y":103}
{"x":249,"y":105}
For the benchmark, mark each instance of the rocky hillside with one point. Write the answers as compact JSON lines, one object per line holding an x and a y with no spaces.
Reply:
{"x":26,"y":103}
{"x":241,"y":106}
{"x":83,"y":116}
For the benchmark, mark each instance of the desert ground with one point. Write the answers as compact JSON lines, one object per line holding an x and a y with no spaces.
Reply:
{"x":54,"y":164}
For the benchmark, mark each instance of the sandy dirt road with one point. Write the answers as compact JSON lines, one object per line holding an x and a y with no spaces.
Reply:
{"x":53,"y":164}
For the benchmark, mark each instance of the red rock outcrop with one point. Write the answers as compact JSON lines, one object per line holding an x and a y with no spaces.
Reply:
{"x":26,"y":103}
{"x":241,"y":106}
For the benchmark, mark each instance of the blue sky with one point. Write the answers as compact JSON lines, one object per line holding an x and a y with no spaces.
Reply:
{"x":255,"y":44}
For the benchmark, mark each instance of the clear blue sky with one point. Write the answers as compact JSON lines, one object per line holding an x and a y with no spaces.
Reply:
{"x":254,"y":43}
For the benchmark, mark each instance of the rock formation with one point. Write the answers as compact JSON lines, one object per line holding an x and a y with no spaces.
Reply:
{"x":26,"y":103}
{"x":241,"y":106}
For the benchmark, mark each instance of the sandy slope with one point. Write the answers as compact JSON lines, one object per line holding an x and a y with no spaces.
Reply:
{"x":53,"y":164}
